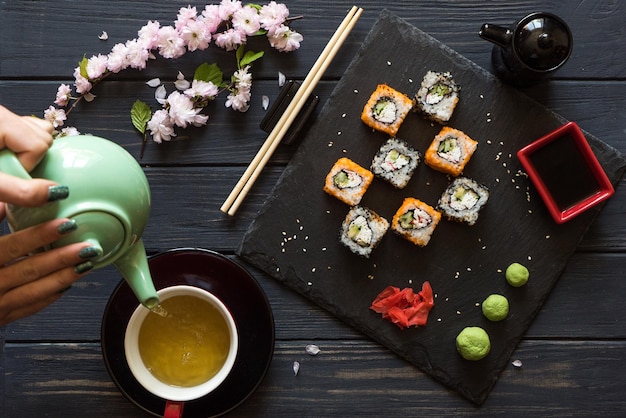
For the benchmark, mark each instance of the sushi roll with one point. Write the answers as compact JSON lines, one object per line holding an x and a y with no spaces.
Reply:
{"x":348,"y":181}
{"x":386,"y":109}
{"x":395,"y":162}
{"x":415,"y":221}
{"x":463,"y":200}
{"x":362,"y":230}
{"x":450,"y":151}
{"x":437,"y":96}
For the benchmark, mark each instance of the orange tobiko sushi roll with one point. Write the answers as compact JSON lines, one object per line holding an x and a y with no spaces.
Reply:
{"x":386,"y":109}
{"x":450,"y":151}
{"x":348,"y":181}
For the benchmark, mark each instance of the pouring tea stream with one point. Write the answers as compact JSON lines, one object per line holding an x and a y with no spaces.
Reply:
{"x":109,"y":200}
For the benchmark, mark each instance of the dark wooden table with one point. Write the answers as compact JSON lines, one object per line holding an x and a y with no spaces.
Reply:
{"x":573,"y":354}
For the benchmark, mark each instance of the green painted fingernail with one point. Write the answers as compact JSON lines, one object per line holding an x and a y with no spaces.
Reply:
{"x":67,"y":227}
{"x":83,"y":267}
{"x":89,"y":252}
{"x":57,"y":193}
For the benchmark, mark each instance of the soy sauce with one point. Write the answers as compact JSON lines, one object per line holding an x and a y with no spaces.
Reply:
{"x":565,"y":172}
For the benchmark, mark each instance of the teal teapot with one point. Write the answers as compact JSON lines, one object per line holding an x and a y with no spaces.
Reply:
{"x":109,"y":200}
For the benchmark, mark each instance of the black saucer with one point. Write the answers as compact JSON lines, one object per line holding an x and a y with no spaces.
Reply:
{"x":240,"y":293}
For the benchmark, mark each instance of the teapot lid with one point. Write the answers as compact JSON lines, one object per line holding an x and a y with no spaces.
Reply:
{"x":542,"y":41}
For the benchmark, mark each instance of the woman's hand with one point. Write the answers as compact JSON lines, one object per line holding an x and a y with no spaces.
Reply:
{"x":28,"y":283}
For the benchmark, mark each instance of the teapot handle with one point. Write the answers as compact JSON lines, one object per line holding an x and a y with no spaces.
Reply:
{"x":496,"y":34}
{"x":10,"y":164}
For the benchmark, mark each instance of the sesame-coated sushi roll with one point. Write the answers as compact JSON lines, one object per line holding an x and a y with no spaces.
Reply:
{"x":463,"y":200}
{"x":386,"y":109}
{"x":362,"y":230}
{"x":395,"y":162}
{"x":348,"y":181}
{"x":415,"y":221}
{"x":450,"y":151}
{"x":437,"y":96}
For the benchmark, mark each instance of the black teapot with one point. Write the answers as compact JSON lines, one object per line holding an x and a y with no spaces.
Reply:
{"x":531,"y":50}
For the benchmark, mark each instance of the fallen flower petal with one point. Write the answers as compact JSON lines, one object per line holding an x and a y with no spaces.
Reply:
{"x":155,"y":82}
{"x":266,"y":102}
{"x":296,"y":368}
{"x":312,"y":349}
{"x":104,"y":36}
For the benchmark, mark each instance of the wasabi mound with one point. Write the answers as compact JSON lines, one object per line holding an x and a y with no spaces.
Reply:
{"x":473,"y":343}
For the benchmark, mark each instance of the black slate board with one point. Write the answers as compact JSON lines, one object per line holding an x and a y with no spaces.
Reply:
{"x":294,"y":237}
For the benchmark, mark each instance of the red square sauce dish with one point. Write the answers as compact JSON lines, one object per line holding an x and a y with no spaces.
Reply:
{"x":565,"y":172}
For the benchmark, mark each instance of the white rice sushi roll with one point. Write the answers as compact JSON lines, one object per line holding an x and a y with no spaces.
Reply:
{"x":437,"y":97}
{"x":462,"y":200}
{"x":395,"y":162}
{"x":362,"y":230}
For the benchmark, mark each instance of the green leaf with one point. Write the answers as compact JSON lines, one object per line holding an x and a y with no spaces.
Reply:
{"x":250,"y":57}
{"x":255,"y":6}
{"x":82,"y":64}
{"x":209,"y":72}
{"x":140,"y":114}
{"x":239,"y":53}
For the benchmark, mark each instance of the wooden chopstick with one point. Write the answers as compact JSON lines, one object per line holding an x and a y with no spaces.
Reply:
{"x":253,"y":171}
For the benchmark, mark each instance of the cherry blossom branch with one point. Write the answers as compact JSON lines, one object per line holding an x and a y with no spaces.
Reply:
{"x":227,"y":25}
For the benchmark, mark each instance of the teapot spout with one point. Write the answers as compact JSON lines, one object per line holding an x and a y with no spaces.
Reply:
{"x":134,"y":268}
{"x":498,"y":35}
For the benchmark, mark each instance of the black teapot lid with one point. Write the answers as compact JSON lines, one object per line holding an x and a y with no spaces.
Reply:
{"x":542,"y":41}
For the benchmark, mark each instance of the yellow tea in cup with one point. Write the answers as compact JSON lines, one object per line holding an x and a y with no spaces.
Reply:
{"x":187,"y":350}
{"x":187,"y":346}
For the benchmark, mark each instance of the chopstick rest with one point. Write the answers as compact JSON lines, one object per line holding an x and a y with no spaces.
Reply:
{"x":286,"y":95}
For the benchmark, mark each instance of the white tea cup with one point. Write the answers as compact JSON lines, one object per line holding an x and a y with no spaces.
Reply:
{"x":185,"y":349}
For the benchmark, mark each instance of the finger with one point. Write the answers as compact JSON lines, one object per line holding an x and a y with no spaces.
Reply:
{"x":41,"y":266}
{"x":29,"y":192}
{"x":27,"y":137}
{"x":26,"y":241}
{"x":24,"y":311}
{"x":41,"y":124}
{"x":33,"y":297}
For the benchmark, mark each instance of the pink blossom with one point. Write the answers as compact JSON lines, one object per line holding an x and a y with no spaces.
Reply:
{"x":55,"y":116}
{"x":196,"y":35}
{"x":161,"y":126}
{"x":202,"y":89}
{"x":81,"y":83}
{"x":273,"y":15}
{"x":230,"y":39}
{"x":239,"y":97}
{"x":171,"y":45}
{"x":136,"y":54}
{"x":69,"y":131}
{"x":284,"y":39}
{"x":246,"y":20}
{"x":63,"y":95}
{"x":185,"y":15}
{"x":96,"y":66}
{"x":228,"y":8}
{"x":149,"y":35}
{"x":211,"y":17}
{"x":182,"y":112}
{"x":243,"y":77}
{"x":118,"y":58}
{"x":239,"y":100}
